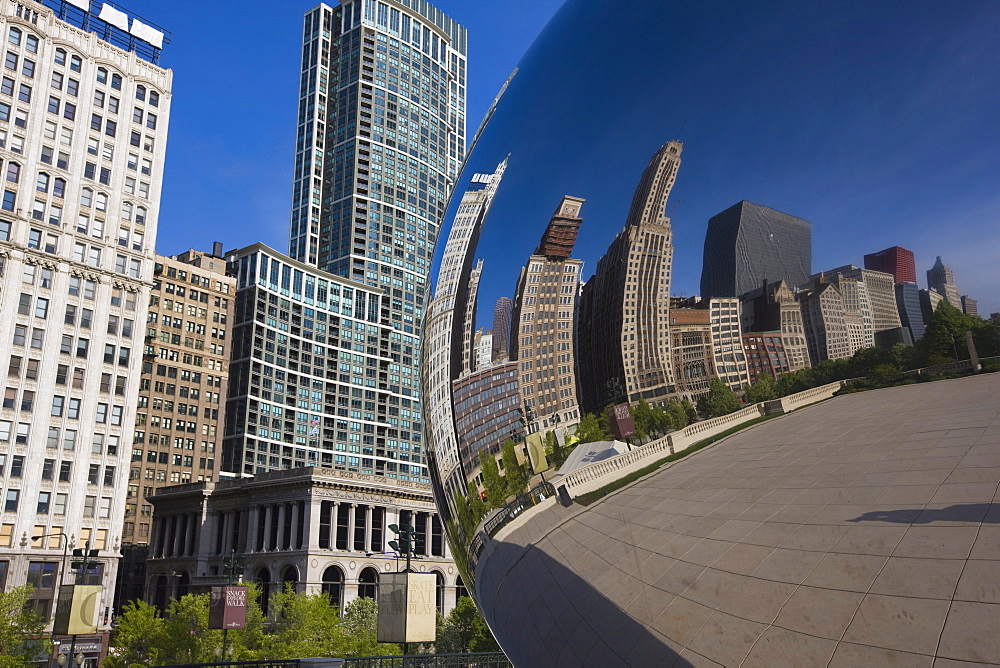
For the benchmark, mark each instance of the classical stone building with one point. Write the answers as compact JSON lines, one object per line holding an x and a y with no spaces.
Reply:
{"x":83,"y":124}
{"x":881,"y":295}
{"x":691,"y":348}
{"x":319,"y":529}
{"x":727,"y":343}
{"x":625,"y":306}
{"x":543,"y":323}
{"x":775,"y":307}
{"x":929,"y":300}
{"x":823,"y":323}
{"x":765,"y":353}
{"x":858,"y":313}
{"x":970,"y":306}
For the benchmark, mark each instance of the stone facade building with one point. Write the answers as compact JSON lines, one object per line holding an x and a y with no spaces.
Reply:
{"x":823,"y":323}
{"x":320,"y":529}
{"x":691,"y":348}
{"x":727,"y":343}
{"x":881,"y":295}
{"x":83,"y":127}
{"x":625,"y":306}
{"x":543,"y":323}
{"x":765,"y":353}
{"x":941,"y":279}
{"x":775,"y":307}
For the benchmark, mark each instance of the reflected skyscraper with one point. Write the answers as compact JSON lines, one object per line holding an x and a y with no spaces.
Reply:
{"x":450,"y":320}
{"x":542,"y":340}
{"x":940,"y":277}
{"x":381,"y":138}
{"x":625,"y":307}
{"x":749,"y":243}
{"x":501,"y":328}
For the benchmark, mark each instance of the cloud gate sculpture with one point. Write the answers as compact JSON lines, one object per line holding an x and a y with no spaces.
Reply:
{"x":583,"y":303}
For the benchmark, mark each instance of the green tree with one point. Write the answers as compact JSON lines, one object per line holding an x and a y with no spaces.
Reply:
{"x":945,"y":334}
{"x":360,"y":628}
{"x":186,"y":637}
{"x":589,"y":430}
{"x":764,"y":389}
{"x":464,"y":630}
{"x":138,"y":636}
{"x":304,"y":625}
{"x":476,"y":506}
{"x":689,"y":410}
{"x":496,"y":486}
{"x":513,"y":472}
{"x":22,"y":640}
{"x":719,"y":401}
{"x":644,"y":418}
{"x":679,"y":417}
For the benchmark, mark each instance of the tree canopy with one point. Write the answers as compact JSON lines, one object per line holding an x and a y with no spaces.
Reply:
{"x":720,"y":400}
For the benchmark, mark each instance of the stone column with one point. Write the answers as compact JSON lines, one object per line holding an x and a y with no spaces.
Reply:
{"x":189,"y":539}
{"x":313,"y":508}
{"x":282,"y":508}
{"x":176,"y":546}
{"x":226,"y":523}
{"x":268,"y":519}
{"x":296,"y":537}
{"x":351,"y":518}
{"x":334,"y":520}
{"x":369,"y":515}
{"x":251,"y":544}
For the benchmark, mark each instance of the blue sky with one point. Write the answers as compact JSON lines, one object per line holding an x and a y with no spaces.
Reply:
{"x":232,"y":127}
{"x":874,"y":121}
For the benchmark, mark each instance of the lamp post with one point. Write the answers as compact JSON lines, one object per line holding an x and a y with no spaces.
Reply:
{"x":64,"y":541}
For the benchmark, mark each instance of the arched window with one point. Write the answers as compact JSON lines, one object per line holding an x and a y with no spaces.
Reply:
{"x":333,"y":585}
{"x":154,"y":98}
{"x":140,"y":215}
{"x":31,"y":43}
{"x":439,"y":591}
{"x":102,"y":202}
{"x":127,"y":208}
{"x":140,"y":92}
{"x":368,"y":584}
{"x":13,"y":172}
{"x":14,"y":37}
{"x":42,"y":184}
{"x":75,"y":64}
{"x":263,"y":579}
{"x":460,"y":589}
{"x":290,"y":576}
{"x":116,"y":81}
{"x":183,"y":584}
{"x":60,"y":56}
{"x":102,"y":75}
{"x":58,"y":187}
{"x":86,"y":197}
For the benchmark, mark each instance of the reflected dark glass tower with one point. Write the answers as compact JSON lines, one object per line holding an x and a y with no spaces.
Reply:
{"x":747,"y":244}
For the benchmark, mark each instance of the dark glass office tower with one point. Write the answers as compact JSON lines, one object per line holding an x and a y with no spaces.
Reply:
{"x":747,"y":244}
{"x":908,"y":303}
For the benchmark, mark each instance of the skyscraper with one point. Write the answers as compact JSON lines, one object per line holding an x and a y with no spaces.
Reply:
{"x":881,"y":294}
{"x":501,"y":328}
{"x":941,"y":278}
{"x":625,"y":306}
{"x":749,"y":243}
{"x":381,"y":138}
{"x":450,"y":319}
{"x":542,"y":337}
{"x":896,"y":261}
{"x":78,"y":222}
{"x":908,"y":304}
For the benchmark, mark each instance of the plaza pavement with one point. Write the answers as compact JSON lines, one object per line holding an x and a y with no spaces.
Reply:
{"x":863,"y":531}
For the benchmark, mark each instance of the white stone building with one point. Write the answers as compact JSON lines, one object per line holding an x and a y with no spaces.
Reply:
{"x":83,"y":127}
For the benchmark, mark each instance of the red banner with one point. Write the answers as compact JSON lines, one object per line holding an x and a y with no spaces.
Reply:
{"x":228,"y":608}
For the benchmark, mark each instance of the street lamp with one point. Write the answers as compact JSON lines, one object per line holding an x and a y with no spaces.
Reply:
{"x":404,"y":543}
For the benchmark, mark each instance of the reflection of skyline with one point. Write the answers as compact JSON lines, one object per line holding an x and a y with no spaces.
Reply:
{"x":816,"y":146}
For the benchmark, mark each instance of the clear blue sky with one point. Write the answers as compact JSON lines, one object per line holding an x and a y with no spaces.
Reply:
{"x":232,"y":126}
{"x":875,"y":121}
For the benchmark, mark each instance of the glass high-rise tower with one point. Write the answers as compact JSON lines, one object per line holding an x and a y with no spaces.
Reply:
{"x":380,"y":142}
